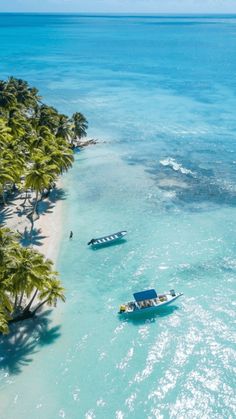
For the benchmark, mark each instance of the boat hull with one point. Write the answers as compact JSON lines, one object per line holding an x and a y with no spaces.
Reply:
{"x":106,"y":240}
{"x":151,"y":309}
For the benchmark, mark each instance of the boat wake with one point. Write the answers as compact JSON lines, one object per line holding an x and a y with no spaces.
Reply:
{"x":177,"y":167}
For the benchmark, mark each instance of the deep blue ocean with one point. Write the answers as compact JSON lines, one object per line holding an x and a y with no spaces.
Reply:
{"x":160,"y":95}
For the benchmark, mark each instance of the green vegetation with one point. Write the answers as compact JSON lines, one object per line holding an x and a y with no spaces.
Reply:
{"x":24,"y":275}
{"x":36,"y":144}
{"x":36,"y":141}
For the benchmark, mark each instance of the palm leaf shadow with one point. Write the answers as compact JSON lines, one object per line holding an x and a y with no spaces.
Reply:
{"x":24,"y":340}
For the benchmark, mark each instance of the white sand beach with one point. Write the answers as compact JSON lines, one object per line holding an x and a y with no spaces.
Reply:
{"x":47,"y":229}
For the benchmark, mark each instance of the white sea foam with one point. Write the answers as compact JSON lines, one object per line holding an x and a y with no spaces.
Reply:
{"x":163,"y":267}
{"x":177,"y":167}
{"x":119,"y":414}
{"x":100,"y":402}
{"x":124,"y":362}
{"x":90,"y":414}
{"x":155,"y":354}
{"x":169,"y":195}
{"x":76,"y":394}
{"x":130,"y":401}
{"x":185,"y":347}
{"x":166,"y":384}
{"x":144,"y":332}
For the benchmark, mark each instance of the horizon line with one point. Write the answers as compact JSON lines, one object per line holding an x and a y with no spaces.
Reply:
{"x":181,"y":14}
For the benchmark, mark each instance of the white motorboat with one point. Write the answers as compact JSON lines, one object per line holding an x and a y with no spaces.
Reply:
{"x":148,"y":301}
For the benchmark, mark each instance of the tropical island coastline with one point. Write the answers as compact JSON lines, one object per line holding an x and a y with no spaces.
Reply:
{"x":36,"y":148}
{"x":160,"y":90}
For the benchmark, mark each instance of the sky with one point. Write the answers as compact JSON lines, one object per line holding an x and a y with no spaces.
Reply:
{"x":121,"y":6}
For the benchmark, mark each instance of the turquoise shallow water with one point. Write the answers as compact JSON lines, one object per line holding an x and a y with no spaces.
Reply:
{"x":160,"y":92}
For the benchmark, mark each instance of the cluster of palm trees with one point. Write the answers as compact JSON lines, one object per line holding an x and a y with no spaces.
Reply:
{"x":36,"y":144}
{"x":36,"y":141}
{"x":27,"y":280}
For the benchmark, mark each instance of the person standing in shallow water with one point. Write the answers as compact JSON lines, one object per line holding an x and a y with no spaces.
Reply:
{"x":71,"y":234}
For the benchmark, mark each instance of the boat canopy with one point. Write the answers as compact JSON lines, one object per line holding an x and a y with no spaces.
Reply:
{"x":145,"y":295}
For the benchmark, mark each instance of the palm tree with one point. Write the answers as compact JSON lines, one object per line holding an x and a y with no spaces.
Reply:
{"x":62,"y":156}
{"x":11,"y":168}
{"x":6,"y":176}
{"x":7,"y":99}
{"x":40,"y":175}
{"x":5,"y":134}
{"x":64,"y":129}
{"x":24,"y":273}
{"x":52,"y":292}
{"x":5,"y":301}
{"x":41,"y":140}
{"x":28,"y":273}
{"x":26,"y":96}
{"x":17,"y":123}
{"x":7,"y":244}
{"x":4,"y":322}
{"x":49,"y":117}
{"x":80,"y":125}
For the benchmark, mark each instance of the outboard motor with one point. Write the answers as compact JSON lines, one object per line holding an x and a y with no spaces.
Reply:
{"x":172,"y":293}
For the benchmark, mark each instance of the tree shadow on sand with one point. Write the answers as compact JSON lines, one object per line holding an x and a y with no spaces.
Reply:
{"x":24,"y":340}
{"x":36,"y":238}
{"x":57,"y":194}
{"x":5,"y":214}
{"x":45,"y":207}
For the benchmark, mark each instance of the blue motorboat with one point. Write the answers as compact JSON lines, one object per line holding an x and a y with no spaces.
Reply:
{"x":148,"y":301}
{"x":107,"y":239}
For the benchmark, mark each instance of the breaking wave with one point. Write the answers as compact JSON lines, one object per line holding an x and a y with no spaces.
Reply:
{"x":177,"y":167}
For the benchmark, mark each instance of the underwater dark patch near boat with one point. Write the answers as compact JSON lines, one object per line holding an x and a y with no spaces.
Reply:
{"x":146,"y":318}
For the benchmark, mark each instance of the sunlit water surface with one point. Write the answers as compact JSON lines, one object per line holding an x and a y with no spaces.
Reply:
{"x":160,"y":94}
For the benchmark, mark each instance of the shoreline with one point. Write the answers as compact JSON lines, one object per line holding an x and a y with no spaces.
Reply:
{"x":51,"y":226}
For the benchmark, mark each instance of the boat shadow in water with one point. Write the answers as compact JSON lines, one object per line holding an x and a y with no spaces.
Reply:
{"x":104,"y":245}
{"x":148,"y":317}
{"x":24,"y":340}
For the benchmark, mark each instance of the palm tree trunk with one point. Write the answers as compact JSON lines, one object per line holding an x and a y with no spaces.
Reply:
{"x":26,"y":197}
{"x":15,"y":302}
{"x":27,"y":308}
{"x":44,"y":195}
{"x":21,"y":298}
{"x":36,"y":202}
{"x":33,"y":212}
{"x":40,"y":305}
{"x":22,"y":316}
{"x":31,"y":218}
{"x":14,"y":188}
{"x":3,"y":195}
